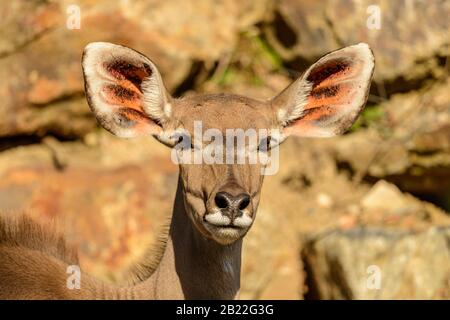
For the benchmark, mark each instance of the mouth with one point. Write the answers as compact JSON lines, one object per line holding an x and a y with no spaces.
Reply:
{"x":223,"y":229}
{"x":225,"y":234}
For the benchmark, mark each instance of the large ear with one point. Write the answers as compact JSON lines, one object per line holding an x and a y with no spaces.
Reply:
{"x":124,"y":90}
{"x":328,"y":97}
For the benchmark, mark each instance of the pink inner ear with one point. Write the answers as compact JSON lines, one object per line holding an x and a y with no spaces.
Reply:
{"x":332,"y":88}
{"x":117,"y":94}
{"x":329,"y":70}
{"x":137,"y":121}
{"x":123,"y":70}
{"x":126,"y":91}
{"x":329,"y":106}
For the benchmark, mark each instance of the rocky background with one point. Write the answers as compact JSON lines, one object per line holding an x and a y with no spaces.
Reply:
{"x":365,"y":215}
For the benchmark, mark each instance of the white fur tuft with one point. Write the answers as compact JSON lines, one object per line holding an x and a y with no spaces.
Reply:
{"x":155,"y":102}
{"x":297,"y":107}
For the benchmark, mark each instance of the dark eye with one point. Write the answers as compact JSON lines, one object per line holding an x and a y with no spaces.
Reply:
{"x":264,"y":144}
{"x":185,"y":141}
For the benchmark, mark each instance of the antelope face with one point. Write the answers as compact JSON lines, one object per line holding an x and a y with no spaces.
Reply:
{"x":224,"y":143}
{"x":224,"y":140}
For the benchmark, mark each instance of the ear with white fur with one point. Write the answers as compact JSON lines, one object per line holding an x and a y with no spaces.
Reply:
{"x":125,"y":91}
{"x":328,"y":97}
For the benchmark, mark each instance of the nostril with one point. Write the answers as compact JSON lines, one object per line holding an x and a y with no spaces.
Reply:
{"x":221,"y":200}
{"x":244,"y":202}
{"x":224,"y":200}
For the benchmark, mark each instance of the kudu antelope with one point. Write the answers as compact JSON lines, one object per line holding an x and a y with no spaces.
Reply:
{"x":215,"y":204}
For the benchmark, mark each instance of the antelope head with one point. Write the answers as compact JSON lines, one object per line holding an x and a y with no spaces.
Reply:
{"x":220,"y":191}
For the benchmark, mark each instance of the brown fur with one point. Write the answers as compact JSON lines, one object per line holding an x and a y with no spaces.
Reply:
{"x":32,"y":256}
{"x":27,"y":244}
{"x":21,"y":231}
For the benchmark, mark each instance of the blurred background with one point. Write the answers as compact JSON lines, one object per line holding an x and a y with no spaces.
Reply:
{"x":365,"y":215}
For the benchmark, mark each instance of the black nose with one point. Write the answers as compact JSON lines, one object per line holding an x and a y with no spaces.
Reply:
{"x":224,"y":200}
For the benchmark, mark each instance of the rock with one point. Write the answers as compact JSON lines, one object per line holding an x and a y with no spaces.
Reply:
{"x":67,"y":119}
{"x":40,"y":56}
{"x":384,"y":196}
{"x":378,"y":264}
{"x":111,"y":199}
{"x":347,"y":221}
{"x":305,"y":30}
{"x":324,"y":200}
{"x":36,"y":18}
{"x":408,"y":147}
